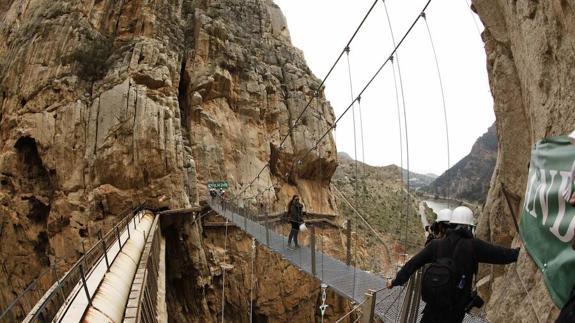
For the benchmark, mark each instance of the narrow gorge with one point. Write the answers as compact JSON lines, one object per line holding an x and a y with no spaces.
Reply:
{"x":108,"y":105}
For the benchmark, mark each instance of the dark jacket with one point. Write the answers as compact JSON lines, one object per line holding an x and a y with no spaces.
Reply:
{"x":567,"y":314}
{"x":296,"y":212}
{"x":470,"y":252}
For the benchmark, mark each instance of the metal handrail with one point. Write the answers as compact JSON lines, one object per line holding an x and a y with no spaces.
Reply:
{"x":148,"y":306}
{"x":44,"y":305}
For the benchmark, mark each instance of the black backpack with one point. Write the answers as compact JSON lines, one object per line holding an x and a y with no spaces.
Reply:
{"x":439,"y":284}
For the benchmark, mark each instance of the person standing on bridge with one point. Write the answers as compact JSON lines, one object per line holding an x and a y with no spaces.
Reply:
{"x":295,"y":213}
{"x":447,"y":282}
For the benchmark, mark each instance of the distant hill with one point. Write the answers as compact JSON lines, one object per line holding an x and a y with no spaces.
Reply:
{"x":417,"y":181}
{"x":379,"y":196}
{"x":469,"y":178}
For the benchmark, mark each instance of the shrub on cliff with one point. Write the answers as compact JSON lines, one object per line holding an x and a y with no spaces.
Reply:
{"x":92,"y":59}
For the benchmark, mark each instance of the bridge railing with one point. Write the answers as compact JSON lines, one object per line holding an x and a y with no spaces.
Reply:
{"x":44,"y":296}
{"x":267,"y":223}
{"x":144,"y":296}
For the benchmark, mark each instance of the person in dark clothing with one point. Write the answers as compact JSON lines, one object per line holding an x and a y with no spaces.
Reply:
{"x":439,"y":228}
{"x":295,"y":214}
{"x":567,"y":314}
{"x":467,"y":252}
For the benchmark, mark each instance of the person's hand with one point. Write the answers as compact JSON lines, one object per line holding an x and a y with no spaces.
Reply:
{"x":389,"y":284}
{"x":517,"y":243}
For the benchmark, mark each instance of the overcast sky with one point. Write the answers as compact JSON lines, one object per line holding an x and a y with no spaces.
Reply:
{"x":321,"y":29}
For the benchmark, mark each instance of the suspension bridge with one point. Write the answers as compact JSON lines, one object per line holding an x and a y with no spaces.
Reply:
{"x":122,"y":276}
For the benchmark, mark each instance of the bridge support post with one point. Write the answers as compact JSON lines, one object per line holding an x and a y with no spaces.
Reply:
{"x":245,"y":219}
{"x":312,"y":247}
{"x":407,"y":300}
{"x":83,"y":276}
{"x":368,"y":307}
{"x":416,"y":297}
{"x":118,"y":236}
{"x":348,"y":235}
{"x":267,"y":224}
{"x":104,"y":249}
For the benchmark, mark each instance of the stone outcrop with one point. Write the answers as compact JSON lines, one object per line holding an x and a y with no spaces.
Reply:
{"x":468,"y":179}
{"x":105,"y":105}
{"x":530,"y":55}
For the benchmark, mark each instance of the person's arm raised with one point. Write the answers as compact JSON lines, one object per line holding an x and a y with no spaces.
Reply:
{"x":492,"y":254}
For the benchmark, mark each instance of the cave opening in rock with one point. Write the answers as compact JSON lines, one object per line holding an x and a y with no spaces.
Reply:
{"x":33,"y":179}
{"x":182,"y":96}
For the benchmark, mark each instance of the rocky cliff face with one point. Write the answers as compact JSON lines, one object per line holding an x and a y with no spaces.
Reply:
{"x":108,"y":104}
{"x":530,"y":53}
{"x":468,"y":180}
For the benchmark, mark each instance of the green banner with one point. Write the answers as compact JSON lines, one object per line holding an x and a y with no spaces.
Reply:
{"x":547,"y":219}
{"x":218,"y":185}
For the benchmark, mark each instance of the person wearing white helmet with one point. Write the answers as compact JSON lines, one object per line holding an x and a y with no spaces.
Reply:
{"x":440,"y":226}
{"x":447,"y":281}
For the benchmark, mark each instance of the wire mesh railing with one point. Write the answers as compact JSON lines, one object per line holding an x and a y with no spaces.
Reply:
{"x":44,"y":296}
{"x":148,"y":304}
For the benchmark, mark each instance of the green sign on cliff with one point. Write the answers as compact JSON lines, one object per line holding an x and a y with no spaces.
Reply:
{"x":547,"y":219}
{"x":218,"y":185}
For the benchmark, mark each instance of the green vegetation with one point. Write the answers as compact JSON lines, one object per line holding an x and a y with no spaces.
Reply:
{"x":92,"y":59}
{"x":382,"y":199}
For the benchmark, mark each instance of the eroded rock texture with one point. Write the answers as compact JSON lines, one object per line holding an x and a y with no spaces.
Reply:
{"x":108,"y":104}
{"x":530,"y":55}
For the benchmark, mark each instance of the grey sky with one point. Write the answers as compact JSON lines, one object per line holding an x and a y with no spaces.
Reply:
{"x":322,"y":27}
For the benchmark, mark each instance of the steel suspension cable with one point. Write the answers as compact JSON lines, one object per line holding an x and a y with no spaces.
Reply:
{"x":319,"y":105}
{"x":356,"y":175}
{"x":369,"y":83}
{"x":468,"y":8}
{"x":443,"y":102}
{"x":406,"y":216}
{"x":355,"y":308}
{"x":398,"y":104}
{"x":395,"y":82}
{"x":354,"y":124}
{"x":333,"y":126}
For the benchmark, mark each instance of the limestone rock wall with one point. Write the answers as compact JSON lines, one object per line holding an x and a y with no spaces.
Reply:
{"x":530,"y":54}
{"x":107,"y":104}
{"x":244,"y":86}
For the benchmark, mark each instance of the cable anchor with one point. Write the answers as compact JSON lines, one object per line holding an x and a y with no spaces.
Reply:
{"x":323,"y":306}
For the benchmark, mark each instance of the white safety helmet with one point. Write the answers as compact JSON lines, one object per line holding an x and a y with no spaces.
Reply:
{"x":462,"y":215}
{"x":444,"y":216}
